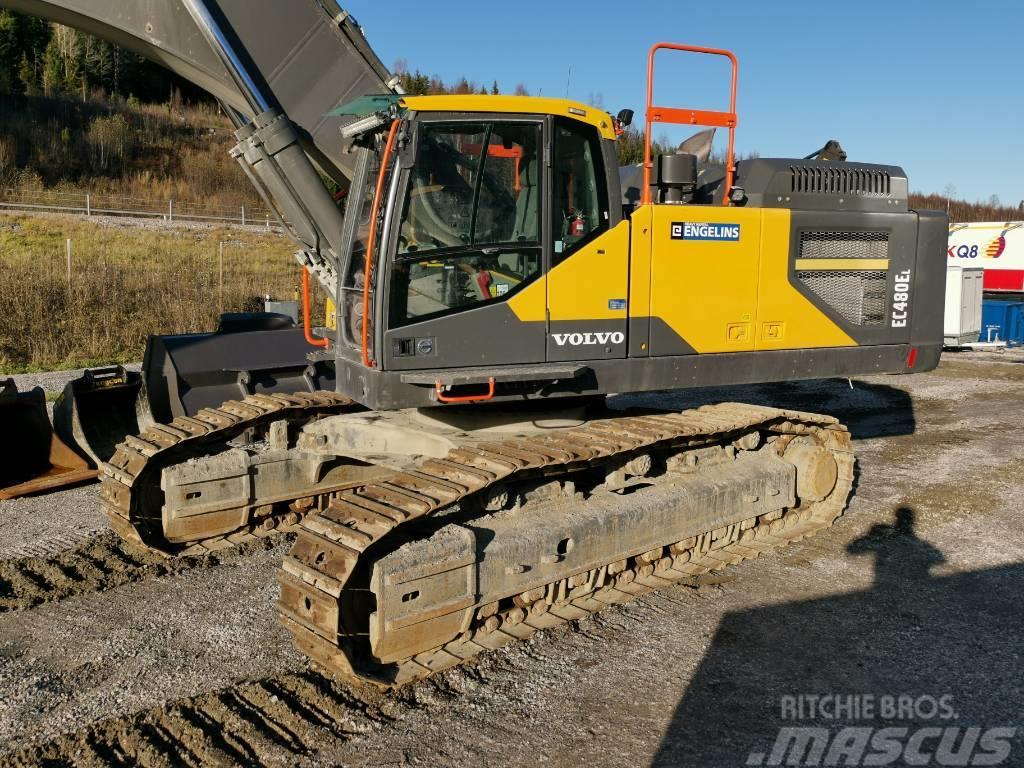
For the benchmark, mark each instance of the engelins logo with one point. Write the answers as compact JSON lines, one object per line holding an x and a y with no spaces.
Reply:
{"x":688,"y":230}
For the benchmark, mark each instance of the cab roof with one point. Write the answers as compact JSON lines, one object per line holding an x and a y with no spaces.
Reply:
{"x":531,"y":105}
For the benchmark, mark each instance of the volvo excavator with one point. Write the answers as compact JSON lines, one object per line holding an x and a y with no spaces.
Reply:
{"x":464,"y":483}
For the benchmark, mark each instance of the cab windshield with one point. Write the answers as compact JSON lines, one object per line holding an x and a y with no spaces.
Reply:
{"x":472,"y":184}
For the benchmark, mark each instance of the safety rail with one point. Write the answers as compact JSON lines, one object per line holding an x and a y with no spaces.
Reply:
{"x":702,"y":117}
{"x":92,"y":204}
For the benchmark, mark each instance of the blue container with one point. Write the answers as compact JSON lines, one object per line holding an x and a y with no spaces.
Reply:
{"x":1008,"y":316}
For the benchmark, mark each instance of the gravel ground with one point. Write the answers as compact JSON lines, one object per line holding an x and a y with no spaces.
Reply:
{"x":915,"y":592}
{"x":53,"y":381}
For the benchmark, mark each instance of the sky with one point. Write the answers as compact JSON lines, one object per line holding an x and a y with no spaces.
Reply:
{"x":934,"y":87}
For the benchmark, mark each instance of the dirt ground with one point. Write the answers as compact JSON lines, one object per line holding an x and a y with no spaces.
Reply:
{"x":110,"y":657}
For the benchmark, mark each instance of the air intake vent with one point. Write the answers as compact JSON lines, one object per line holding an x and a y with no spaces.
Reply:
{"x":821,"y":244}
{"x":858,"y":296}
{"x":839,"y":181}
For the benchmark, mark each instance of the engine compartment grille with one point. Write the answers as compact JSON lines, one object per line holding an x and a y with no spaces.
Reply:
{"x":822,"y":244}
{"x":839,"y":181}
{"x":857,"y":295}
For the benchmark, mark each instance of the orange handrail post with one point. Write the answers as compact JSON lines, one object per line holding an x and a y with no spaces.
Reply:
{"x":702,"y":117}
{"x":310,"y":338}
{"x":368,"y":263}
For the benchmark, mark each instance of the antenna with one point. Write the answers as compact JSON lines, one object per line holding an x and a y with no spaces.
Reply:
{"x":567,"y":81}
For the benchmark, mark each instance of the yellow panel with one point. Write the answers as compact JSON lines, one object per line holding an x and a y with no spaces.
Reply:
{"x":581,"y":287}
{"x":530,"y":305}
{"x":640,"y":262}
{"x":529,"y":105}
{"x":841,"y":264}
{"x":331,"y":315}
{"x":786,"y":319}
{"x":706,"y":290}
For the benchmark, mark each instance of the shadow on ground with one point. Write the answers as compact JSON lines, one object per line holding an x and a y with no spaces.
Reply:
{"x":868,"y":410}
{"x":911,"y":635}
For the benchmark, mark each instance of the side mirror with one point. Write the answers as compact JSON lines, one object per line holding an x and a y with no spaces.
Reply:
{"x":625,"y":117}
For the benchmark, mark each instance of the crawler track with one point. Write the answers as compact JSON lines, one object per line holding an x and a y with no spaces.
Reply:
{"x":316,"y":577}
{"x":251,"y":723}
{"x":131,"y":477}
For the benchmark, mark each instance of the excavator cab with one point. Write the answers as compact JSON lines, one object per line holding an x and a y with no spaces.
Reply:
{"x":481,"y":199}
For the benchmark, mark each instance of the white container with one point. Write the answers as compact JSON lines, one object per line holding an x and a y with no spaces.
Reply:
{"x":964,"y":290}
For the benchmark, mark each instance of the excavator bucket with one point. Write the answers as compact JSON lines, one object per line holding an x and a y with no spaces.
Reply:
{"x":181,"y":374}
{"x":33,"y":458}
{"x":97,"y":410}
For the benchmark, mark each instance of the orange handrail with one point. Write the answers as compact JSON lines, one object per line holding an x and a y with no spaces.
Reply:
{"x":689,"y":116}
{"x":368,"y":263}
{"x":489,"y":394}
{"x":310,"y":338}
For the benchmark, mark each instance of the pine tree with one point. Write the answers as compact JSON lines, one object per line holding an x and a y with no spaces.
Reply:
{"x":27,"y":76}
{"x":53,"y":69}
{"x":494,"y":89}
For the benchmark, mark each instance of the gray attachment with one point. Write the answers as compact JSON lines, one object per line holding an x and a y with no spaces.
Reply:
{"x":255,"y":353}
{"x":700,"y":145}
{"x":97,"y":410}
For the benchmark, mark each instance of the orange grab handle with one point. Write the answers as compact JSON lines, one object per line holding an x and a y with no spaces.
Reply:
{"x":465,"y":398}
{"x":368,"y":264}
{"x":657,"y":114}
{"x":310,"y":338}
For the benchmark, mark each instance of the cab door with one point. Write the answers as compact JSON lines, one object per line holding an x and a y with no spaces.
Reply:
{"x":588,"y":280}
{"x":467,"y":243}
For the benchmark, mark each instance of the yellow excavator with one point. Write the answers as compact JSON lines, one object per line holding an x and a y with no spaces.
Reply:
{"x":493,"y":277}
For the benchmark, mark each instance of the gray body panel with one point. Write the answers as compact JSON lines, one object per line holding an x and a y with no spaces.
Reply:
{"x":387,"y":390}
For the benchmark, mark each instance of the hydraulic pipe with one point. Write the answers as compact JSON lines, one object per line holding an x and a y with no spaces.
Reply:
{"x":368,"y":264}
{"x":310,"y":338}
{"x":229,"y":58}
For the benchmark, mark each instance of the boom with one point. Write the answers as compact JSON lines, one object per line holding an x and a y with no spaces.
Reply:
{"x":278,"y":68}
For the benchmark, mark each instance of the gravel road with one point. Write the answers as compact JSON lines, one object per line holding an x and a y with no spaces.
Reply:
{"x":915,"y":592}
{"x":53,"y":382}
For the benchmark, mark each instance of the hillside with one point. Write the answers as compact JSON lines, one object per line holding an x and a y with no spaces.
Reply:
{"x":79,"y":114}
{"x":121,"y":147}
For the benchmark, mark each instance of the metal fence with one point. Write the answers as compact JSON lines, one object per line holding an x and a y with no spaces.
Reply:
{"x":90,"y":204}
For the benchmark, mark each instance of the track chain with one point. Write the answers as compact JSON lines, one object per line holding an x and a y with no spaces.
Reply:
{"x":331,"y":542}
{"x":134,"y":468}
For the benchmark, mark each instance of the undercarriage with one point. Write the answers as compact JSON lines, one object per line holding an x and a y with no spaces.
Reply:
{"x":425,"y":539}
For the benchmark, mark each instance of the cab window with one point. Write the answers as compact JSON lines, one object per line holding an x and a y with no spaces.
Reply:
{"x":579,"y":191}
{"x":472,"y":184}
{"x":470,"y":224}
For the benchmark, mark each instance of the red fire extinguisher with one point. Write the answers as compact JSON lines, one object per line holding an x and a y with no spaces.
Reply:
{"x":578,"y":224}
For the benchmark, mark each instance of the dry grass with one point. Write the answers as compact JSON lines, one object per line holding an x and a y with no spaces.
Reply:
{"x":127,"y":281}
{"x":108,"y":147}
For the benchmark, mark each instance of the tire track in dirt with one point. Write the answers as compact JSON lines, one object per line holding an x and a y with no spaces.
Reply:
{"x":273,"y":720}
{"x":99,"y":563}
